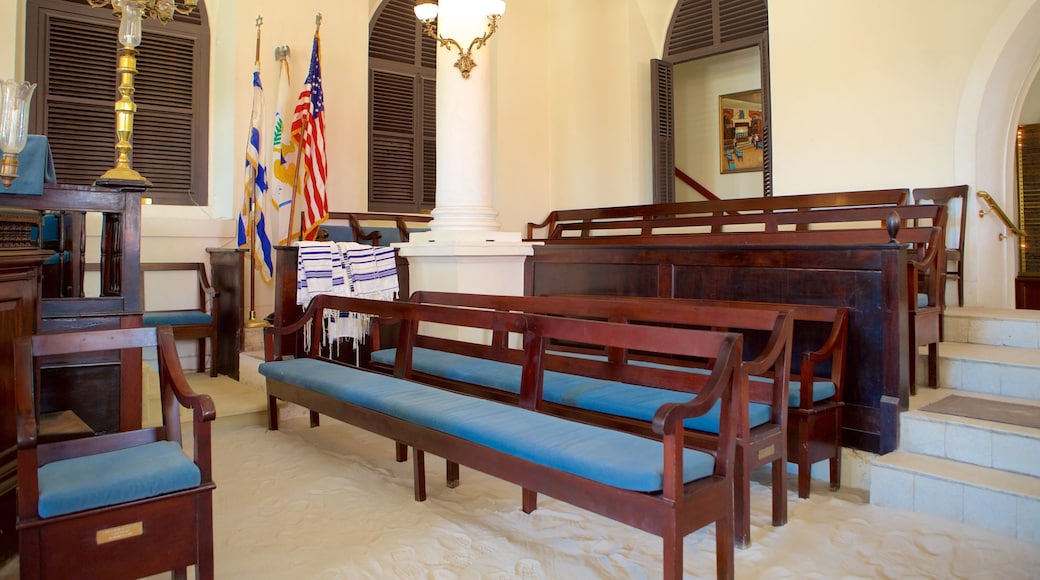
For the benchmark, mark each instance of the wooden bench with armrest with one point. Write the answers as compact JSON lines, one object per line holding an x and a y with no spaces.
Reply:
{"x":584,"y":223}
{"x":492,"y":370}
{"x":864,"y":268}
{"x":653,"y":483}
{"x":198,"y":323}
{"x":819,"y":344}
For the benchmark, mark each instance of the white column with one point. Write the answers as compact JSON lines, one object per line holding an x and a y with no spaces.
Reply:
{"x":464,"y":209}
{"x":464,"y":251}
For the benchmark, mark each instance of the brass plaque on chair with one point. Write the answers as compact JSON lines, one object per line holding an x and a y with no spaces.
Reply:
{"x":120,"y":533}
{"x":766,"y":452}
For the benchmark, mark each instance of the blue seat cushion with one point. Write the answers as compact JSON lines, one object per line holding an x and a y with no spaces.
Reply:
{"x":94,"y":481}
{"x":175,"y":318}
{"x":614,"y":398}
{"x":57,"y":258}
{"x":820,"y":390}
{"x":922,"y":300}
{"x":604,"y":455}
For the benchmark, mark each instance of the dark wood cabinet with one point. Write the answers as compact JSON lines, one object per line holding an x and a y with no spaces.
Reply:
{"x":1027,"y":291}
{"x":104,"y":391}
{"x":226,"y":272}
{"x":19,"y":313}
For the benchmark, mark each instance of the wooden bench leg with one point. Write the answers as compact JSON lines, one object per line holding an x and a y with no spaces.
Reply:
{"x":724,"y":567}
{"x":741,"y":499}
{"x":400,"y":452}
{"x":201,"y":367}
{"x":180,"y":574}
{"x":452,"y":476}
{"x":213,"y":354}
{"x":673,"y":550}
{"x":835,"y":462}
{"x":419,"y":474}
{"x":272,"y":413}
{"x":315,"y":421}
{"x":780,"y":491}
{"x":933,"y":365}
{"x":530,"y":500}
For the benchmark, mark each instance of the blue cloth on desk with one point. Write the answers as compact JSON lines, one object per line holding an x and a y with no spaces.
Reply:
{"x":35,"y":167}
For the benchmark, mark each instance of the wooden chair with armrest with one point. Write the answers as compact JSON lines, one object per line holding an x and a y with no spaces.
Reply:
{"x":199,"y":323}
{"x":121,"y":505}
{"x":955,"y":198}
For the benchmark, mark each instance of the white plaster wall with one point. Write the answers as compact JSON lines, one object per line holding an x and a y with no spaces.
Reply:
{"x":866,"y":94}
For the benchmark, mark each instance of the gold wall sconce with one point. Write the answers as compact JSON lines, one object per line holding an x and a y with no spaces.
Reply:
{"x":426,"y":11}
{"x":130,"y":14}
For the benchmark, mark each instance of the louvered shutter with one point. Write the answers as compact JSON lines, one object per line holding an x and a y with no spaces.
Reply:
{"x":402,"y":106}
{"x":1029,"y":196}
{"x":72,"y":56}
{"x":664,"y":131}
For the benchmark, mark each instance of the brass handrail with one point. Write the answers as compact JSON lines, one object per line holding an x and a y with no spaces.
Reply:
{"x":994,"y":207}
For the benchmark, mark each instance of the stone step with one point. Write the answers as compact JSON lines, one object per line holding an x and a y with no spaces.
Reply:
{"x":992,"y":326}
{"x":995,"y":370}
{"x":1004,"y":446}
{"x":1006,"y":503}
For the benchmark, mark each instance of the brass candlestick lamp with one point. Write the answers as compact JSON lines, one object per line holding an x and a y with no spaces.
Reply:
{"x":14,"y":120}
{"x":131,"y":13}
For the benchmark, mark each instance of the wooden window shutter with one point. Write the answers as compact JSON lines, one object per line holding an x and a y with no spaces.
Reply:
{"x":1028,"y":160}
{"x":71,"y":54}
{"x":402,"y":111}
{"x":664,"y":131}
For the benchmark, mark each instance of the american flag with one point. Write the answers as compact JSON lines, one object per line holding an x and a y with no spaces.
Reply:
{"x":253,"y":222}
{"x":308,"y":131}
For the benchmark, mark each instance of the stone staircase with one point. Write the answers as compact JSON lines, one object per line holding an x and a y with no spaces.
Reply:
{"x":974,"y":471}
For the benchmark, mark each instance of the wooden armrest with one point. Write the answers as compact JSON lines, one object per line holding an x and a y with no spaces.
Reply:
{"x":832,"y":349}
{"x":669,"y":417}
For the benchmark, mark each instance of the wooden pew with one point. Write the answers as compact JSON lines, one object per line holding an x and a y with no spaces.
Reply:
{"x":761,"y":441}
{"x":584,"y":223}
{"x":864,"y":269}
{"x":653,"y":483}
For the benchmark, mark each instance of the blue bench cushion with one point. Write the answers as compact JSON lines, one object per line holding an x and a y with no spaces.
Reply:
{"x":175,"y":318}
{"x":93,"y":481}
{"x":611,"y":397}
{"x":609,"y":457}
{"x":820,"y":390}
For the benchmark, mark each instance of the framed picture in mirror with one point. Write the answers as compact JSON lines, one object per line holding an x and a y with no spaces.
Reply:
{"x":740,"y":132}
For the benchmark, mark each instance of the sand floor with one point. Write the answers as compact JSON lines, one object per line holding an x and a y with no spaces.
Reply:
{"x":331,"y":503}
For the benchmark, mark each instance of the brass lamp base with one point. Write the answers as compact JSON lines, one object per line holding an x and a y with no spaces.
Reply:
{"x":9,"y":169}
{"x":123,"y":177}
{"x":254,"y":322}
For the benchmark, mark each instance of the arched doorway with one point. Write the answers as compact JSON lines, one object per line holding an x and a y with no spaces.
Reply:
{"x":701,"y":31}
{"x":991,"y":106}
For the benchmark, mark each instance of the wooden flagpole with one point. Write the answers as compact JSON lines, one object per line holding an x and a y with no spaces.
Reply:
{"x":299,"y":153}
{"x":252,"y":322}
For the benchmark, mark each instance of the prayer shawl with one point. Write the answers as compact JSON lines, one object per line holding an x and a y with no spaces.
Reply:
{"x":345,"y":269}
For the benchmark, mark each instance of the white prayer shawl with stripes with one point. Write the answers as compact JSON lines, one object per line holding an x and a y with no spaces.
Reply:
{"x":345,"y":269}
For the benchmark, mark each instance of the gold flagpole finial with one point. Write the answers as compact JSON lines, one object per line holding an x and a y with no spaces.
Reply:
{"x":317,"y":22}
